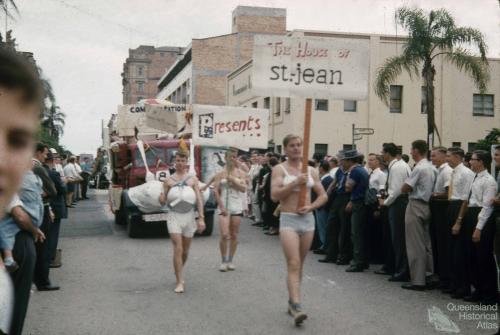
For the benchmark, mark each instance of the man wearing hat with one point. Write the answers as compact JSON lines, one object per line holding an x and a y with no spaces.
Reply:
{"x":338,"y":241}
{"x":356,"y":185}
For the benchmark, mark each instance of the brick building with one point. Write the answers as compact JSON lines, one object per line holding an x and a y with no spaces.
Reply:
{"x":199,"y":76}
{"x":143,"y":68}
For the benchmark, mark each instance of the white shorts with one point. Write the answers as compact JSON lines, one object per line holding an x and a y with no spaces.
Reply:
{"x":181,"y":223}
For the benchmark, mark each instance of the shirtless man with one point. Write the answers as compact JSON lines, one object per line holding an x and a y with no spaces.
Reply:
{"x":296,"y":224}
{"x":182,"y":195}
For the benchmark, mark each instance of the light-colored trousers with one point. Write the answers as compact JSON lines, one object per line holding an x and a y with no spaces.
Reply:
{"x":418,"y":240}
{"x":255,"y":207}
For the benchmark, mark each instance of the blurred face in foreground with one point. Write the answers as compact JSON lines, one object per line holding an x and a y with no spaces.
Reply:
{"x":18,"y":124}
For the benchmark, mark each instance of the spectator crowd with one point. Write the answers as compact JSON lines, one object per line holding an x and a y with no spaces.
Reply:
{"x":433,"y":224}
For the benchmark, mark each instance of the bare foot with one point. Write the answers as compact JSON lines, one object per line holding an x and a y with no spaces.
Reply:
{"x":179,"y":288}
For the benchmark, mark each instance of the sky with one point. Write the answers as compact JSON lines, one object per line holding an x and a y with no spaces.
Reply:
{"x":81,"y":45}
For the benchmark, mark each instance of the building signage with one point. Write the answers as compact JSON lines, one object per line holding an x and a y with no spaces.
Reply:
{"x":310,"y":67}
{"x":224,"y":126}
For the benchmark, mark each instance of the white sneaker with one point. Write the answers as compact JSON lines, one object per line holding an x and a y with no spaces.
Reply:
{"x":223,"y":267}
{"x":231,"y":267}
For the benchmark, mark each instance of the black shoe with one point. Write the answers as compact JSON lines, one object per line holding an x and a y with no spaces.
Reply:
{"x":266,"y":228}
{"x":256,"y":224}
{"x":54,"y":265}
{"x":412,"y":287}
{"x":48,"y":288}
{"x":366,"y":266}
{"x":326,"y":260}
{"x":342,"y":262}
{"x":355,"y":268}
{"x":460,"y":294}
{"x":448,"y":290}
{"x":382,"y":272}
{"x":319,"y":252}
{"x":399,"y":278}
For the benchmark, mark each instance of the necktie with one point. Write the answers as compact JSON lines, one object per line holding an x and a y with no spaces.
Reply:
{"x":471,"y":187}
{"x":450,"y":187}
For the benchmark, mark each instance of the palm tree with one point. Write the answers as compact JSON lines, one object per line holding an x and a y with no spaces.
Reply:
{"x":435,"y":35}
{"x":53,"y":120}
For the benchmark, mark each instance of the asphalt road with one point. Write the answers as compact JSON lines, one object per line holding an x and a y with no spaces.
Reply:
{"x":115,"y":285}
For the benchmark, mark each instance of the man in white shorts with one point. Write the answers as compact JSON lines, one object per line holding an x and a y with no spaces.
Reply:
{"x":182,"y":195}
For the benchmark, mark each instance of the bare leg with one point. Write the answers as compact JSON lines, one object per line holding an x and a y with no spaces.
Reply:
{"x":234,"y":228}
{"x":290,"y":242}
{"x":224,"y":235}
{"x":305,"y":246}
{"x":178,"y":261}
{"x":186,"y":244}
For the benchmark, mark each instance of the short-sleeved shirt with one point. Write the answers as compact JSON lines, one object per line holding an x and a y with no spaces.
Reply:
{"x":358,"y":177}
{"x":461,"y":182}
{"x":443,"y":178}
{"x":421,"y":180}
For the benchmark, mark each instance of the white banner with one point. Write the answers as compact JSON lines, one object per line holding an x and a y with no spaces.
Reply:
{"x":130,"y":116}
{"x":169,"y":118}
{"x":225,"y":126}
{"x":310,"y":67}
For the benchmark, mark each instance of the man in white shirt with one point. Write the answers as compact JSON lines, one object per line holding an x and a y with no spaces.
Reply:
{"x":377,"y":180}
{"x":458,"y":193}
{"x":334,"y":166}
{"x":252,"y":175}
{"x":419,"y":186}
{"x":439,"y":229}
{"x":396,"y":202}
{"x":479,"y":232}
{"x":72,"y":178}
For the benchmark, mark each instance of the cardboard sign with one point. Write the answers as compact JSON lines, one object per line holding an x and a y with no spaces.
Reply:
{"x":224,"y":126}
{"x":170,"y":118}
{"x":310,"y":67}
{"x":130,"y":116}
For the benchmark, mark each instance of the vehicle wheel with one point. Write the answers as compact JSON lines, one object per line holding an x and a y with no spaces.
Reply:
{"x":120,"y":218}
{"x":133,"y":224}
{"x":209,"y":223}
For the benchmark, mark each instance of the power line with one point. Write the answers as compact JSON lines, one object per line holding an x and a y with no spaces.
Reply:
{"x":106,"y":20}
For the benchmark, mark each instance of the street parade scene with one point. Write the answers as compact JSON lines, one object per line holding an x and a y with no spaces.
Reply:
{"x":267,"y":167}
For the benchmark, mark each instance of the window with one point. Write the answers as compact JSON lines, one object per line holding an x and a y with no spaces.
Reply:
{"x":483,"y":105}
{"x":347,"y":147}
{"x":321,"y":148}
{"x":456,"y":144}
{"x":140,"y":87}
{"x":255,"y":104}
{"x":140,"y":71}
{"x":423,"y":101}
{"x":278,"y":149}
{"x":267,"y":102}
{"x":396,"y":98}
{"x":287,"y":105}
{"x":471,"y":146}
{"x":278,"y":107}
{"x":321,"y":105}
{"x":350,"y":105}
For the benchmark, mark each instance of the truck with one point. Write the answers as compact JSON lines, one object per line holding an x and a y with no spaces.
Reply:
{"x":128,"y":170}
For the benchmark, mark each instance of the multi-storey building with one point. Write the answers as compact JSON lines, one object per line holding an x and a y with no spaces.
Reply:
{"x":143,"y":68}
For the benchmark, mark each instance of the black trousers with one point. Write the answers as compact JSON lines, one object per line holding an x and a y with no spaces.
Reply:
{"x":480,"y":266}
{"x":397,"y":223}
{"x":25,"y":256}
{"x":54,"y":236}
{"x":440,"y":230}
{"x":338,"y":230}
{"x":43,"y":256}
{"x":374,"y":236}
{"x":85,"y":184}
{"x":457,"y":256}
{"x":389,"y":261}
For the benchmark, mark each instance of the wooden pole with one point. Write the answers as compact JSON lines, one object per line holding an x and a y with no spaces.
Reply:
{"x":305,"y":151}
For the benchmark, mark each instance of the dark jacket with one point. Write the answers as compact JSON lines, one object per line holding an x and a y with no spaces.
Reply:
{"x":58,"y":203}
{"x":48,"y":184}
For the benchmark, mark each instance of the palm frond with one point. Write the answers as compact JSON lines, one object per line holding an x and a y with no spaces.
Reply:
{"x":440,"y":22}
{"x":4,"y":5}
{"x":391,"y":69}
{"x":471,"y":65}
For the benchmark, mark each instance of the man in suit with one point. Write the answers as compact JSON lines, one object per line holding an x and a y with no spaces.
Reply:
{"x":322,"y":212}
{"x":58,"y":205}
{"x":42,"y":268}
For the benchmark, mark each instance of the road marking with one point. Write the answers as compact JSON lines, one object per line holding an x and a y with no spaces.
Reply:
{"x":441,"y":321}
